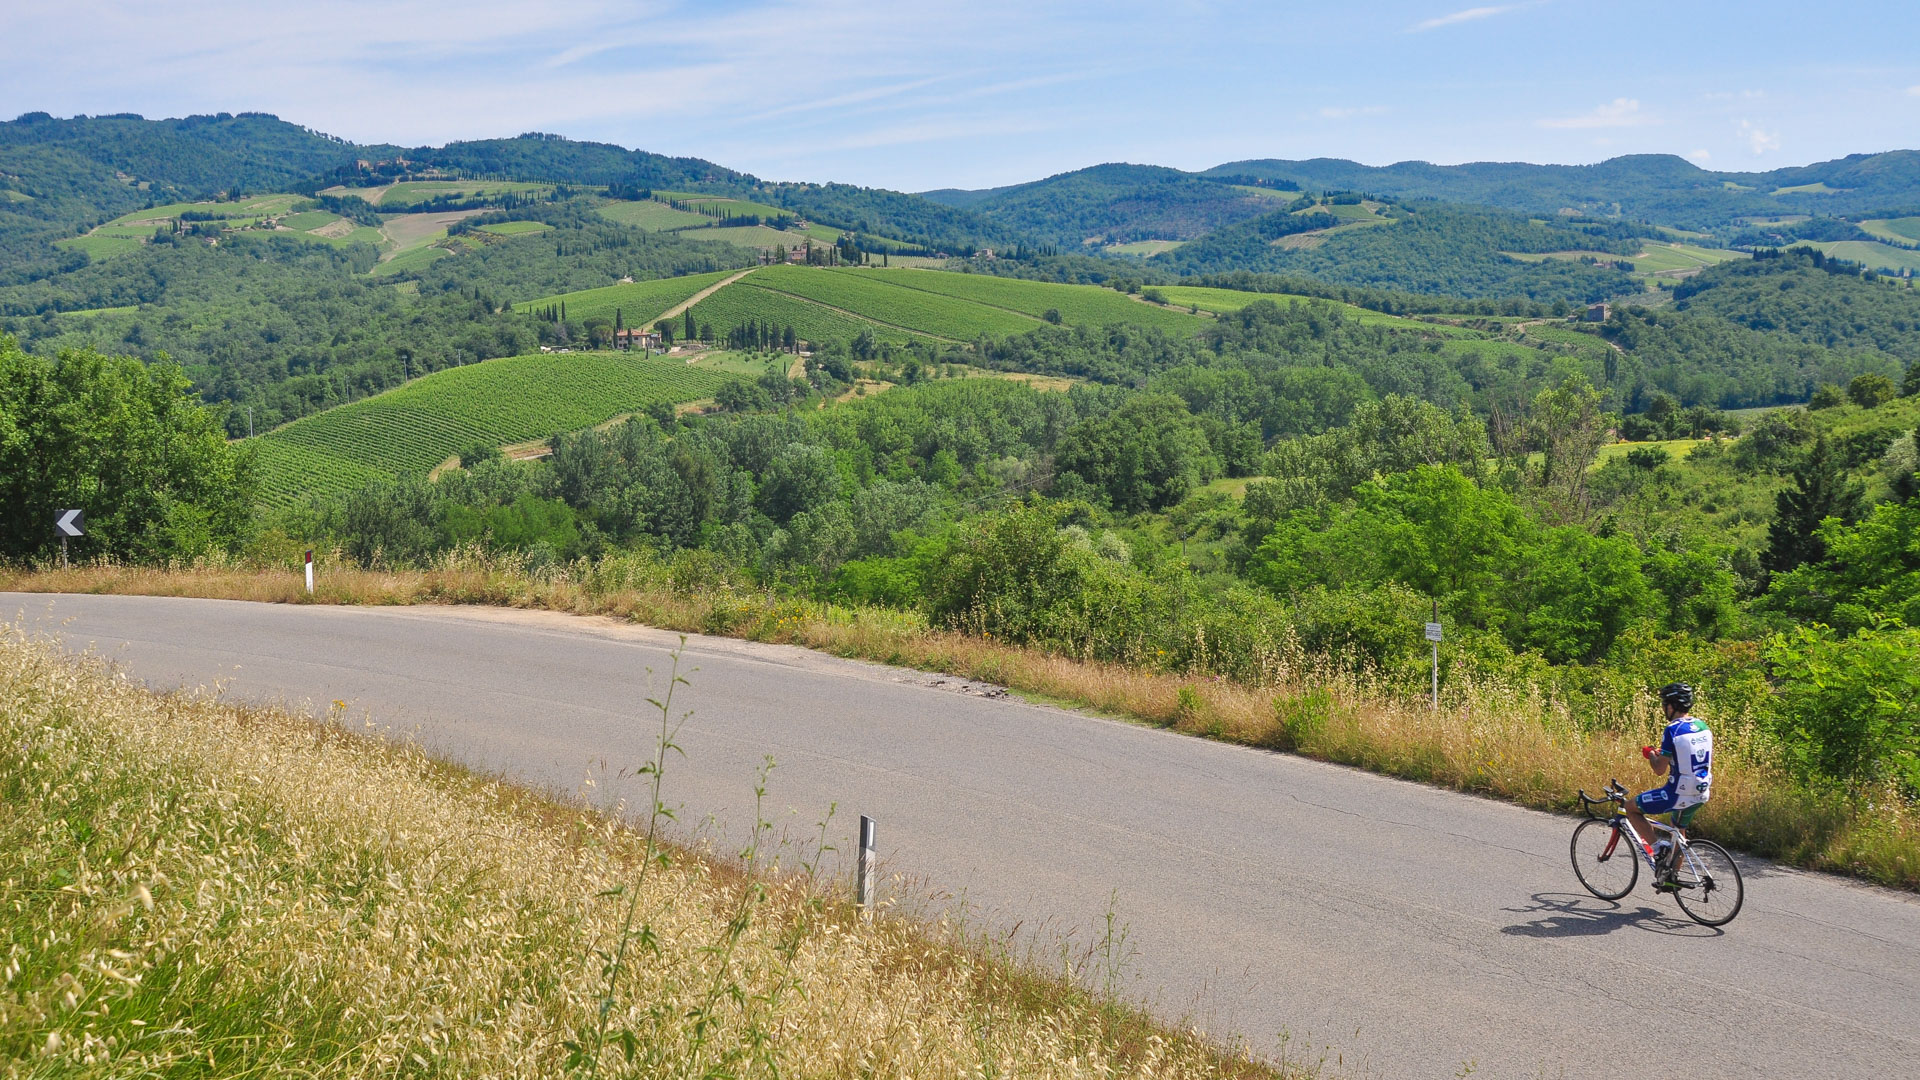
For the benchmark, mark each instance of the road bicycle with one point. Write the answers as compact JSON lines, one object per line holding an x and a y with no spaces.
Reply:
{"x":1704,"y":879}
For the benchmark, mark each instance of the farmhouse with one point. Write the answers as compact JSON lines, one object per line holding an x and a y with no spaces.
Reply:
{"x":1597,"y":313}
{"x":636,"y":339}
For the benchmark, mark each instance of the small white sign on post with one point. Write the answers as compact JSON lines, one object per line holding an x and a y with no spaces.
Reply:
{"x":309,"y":571}
{"x":1433,"y":631}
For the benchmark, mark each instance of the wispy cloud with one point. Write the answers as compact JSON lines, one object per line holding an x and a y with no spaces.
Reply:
{"x":1618,"y":113}
{"x":1913,"y":91}
{"x":1700,"y":157}
{"x":1347,"y":112}
{"x":1759,"y":139}
{"x":1465,"y":15}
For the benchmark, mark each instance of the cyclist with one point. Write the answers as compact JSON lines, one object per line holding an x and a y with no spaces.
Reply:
{"x":1685,"y":757}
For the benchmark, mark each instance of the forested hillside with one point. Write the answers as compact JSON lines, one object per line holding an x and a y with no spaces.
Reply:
{"x":1117,"y":204}
{"x":1643,"y":187}
{"x":1422,"y":247}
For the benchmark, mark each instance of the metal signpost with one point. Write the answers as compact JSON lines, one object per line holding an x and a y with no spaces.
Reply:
{"x":67,"y":523}
{"x":1433,"y":635}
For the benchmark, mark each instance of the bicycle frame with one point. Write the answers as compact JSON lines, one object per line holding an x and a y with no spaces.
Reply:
{"x":1617,"y":817}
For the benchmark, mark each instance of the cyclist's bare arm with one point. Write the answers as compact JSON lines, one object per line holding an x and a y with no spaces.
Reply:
{"x":1661,"y":764}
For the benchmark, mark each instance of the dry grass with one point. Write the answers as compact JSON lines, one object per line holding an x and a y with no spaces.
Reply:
{"x":196,"y":889}
{"x":1496,"y":740}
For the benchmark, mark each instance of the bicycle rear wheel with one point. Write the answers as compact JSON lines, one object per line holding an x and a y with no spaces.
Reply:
{"x":1709,"y":888}
{"x":1605,"y":859}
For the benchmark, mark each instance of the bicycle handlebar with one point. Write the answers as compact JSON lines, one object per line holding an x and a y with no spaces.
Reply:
{"x":1614,"y":794}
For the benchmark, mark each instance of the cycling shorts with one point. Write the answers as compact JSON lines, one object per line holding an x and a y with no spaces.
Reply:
{"x":1661,"y":800}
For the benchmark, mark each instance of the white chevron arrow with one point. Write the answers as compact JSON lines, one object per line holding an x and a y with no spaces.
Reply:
{"x":68,"y":523}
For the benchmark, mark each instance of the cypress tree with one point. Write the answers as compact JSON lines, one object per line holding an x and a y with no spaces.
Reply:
{"x":1820,"y":490}
{"x":689,"y":334}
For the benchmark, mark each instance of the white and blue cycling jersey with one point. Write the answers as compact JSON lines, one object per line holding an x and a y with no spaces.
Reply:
{"x":1689,"y":745}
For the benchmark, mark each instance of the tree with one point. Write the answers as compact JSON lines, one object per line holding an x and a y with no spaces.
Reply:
{"x":127,"y":443}
{"x":1146,"y":455}
{"x":692,"y":332}
{"x":1910,"y":386}
{"x":1871,"y":390}
{"x":1820,"y":491}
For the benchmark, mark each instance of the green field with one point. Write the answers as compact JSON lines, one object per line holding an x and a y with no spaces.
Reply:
{"x":1144,"y":248}
{"x":255,"y":207}
{"x":1870,"y":253}
{"x":638,"y":302}
{"x":1655,"y":258}
{"x":823,"y":303}
{"x":1900,"y":230}
{"x":742,"y":302}
{"x":1079,"y":304}
{"x":1806,"y":189}
{"x":516,"y":228}
{"x":887,"y":301}
{"x":650,"y":214}
{"x":1677,"y":447}
{"x":1222,"y":301}
{"x":410,"y":261}
{"x":754,"y":236}
{"x":107,"y":242}
{"x":397,"y":197}
{"x":714,"y":206}
{"x":417,"y":426}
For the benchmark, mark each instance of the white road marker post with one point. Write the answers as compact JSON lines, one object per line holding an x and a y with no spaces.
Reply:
{"x":863,"y":869}
{"x":309,"y":571}
{"x":1433,"y":635}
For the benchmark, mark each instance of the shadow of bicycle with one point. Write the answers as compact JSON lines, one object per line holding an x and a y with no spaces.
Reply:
{"x":1578,"y":915}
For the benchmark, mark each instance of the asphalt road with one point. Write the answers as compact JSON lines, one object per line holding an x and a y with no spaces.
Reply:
{"x":1414,"y":931}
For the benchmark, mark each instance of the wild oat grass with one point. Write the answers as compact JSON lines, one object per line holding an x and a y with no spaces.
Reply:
{"x":1501,"y":740}
{"x":195,"y":889}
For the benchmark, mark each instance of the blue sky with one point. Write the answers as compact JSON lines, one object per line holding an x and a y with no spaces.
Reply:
{"x":913,"y":94}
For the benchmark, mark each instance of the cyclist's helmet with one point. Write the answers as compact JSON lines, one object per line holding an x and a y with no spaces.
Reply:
{"x":1678,"y":694}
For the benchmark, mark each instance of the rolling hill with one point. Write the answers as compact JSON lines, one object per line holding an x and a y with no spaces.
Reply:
{"x":829,"y":303}
{"x":416,"y":427}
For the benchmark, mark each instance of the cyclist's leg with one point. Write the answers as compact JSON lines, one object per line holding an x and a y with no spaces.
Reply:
{"x":1657,"y":801}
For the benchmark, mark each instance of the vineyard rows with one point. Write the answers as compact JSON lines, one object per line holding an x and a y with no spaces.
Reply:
{"x":417,"y":426}
{"x":930,"y":313}
{"x":742,"y":302}
{"x":639,"y":302}
{"x":1079,"y":304}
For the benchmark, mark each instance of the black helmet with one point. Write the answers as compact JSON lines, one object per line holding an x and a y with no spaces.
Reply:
{"x":1678,"y":694}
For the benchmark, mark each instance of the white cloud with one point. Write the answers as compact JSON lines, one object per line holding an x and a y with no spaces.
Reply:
{"x":1347,"y":112}
{"x":1759,"y":139}
{"x":1618,"y":113}
{"x":1700,"y":157}
{"x":1466,"y":15}
{"x":1913,"y":91}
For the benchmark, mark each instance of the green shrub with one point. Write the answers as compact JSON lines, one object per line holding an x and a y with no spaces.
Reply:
{"x":1848,"y":708}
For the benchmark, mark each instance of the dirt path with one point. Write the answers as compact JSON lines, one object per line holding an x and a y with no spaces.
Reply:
{"x":676,"y":312}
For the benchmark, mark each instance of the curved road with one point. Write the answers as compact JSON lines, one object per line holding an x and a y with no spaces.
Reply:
{"x":1416,"y":931}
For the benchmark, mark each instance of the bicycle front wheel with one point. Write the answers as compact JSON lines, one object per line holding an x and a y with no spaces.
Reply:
{"x":1605,"y":859}
{"x":1708,"y":884}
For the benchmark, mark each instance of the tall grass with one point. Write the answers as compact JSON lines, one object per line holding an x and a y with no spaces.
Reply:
{"x":197,"y":889}
{"x":1514,"y":741}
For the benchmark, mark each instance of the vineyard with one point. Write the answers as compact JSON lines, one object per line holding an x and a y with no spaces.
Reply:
{"x":417,"y":426}
{"x":743,"y":301}
{"x":638,"y":302}
{"x":929,"y":313}
{"x":1222,"y":301}
{"x":1088,"y":305}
